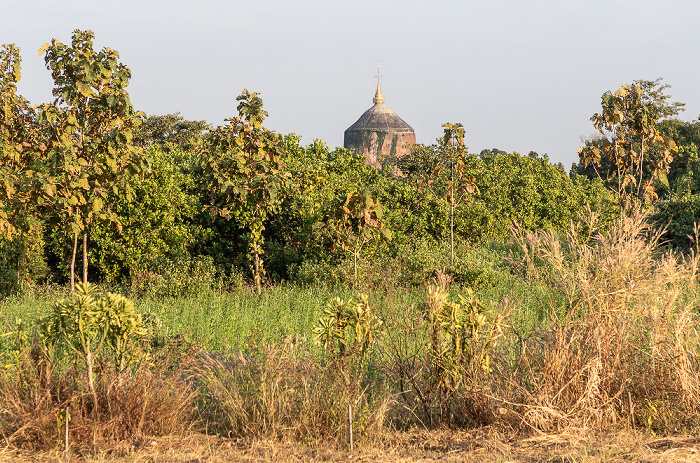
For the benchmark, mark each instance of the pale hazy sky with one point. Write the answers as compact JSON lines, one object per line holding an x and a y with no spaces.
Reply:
{"x":520,"y":75}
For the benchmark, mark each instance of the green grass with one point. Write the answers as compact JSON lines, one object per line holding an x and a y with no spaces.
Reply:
{"x":229,"y":319}
{"x":28,"y":307}
{"x":213,"y":320}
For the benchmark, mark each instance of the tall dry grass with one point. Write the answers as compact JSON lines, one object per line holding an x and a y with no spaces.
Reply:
{"x":150,"y":400}
{"x":626,"y":347}
{"x":284,"y":392}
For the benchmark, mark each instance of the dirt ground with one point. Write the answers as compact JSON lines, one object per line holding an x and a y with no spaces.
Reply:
{"x":443,"y":446}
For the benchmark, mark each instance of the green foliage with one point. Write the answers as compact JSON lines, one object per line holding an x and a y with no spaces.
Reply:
{"x":476,"y":268}
{"x":316,"y":273}
{"x":684,"y":172}
{"x":679,"y":217}
{"x":184,"y":277}
{"x":441,"y":354}
{"x":22,"y":261}
{"x":322,"y":179}
{"x":247,"y":178}
{"x":628,"y":125}
{"x":462,"y":333}
{"x":158,"y":223}
{"x":453,"y":157}
{"x":90,"y":127}
{"x":445,"y":172}
{"x":90,"y":320}
{"x":355,"y":221}
{"x":347,"y":328}
{"x":170,"y":130}
{"x":519,"y":189}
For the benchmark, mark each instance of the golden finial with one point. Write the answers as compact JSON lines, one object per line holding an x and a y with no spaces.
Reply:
{"x":378,"y":98}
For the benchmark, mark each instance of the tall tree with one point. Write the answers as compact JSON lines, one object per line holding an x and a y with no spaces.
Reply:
{"x":628,"y":124}
{"x":21,"y":148}
{"x":169,"y":129}
{"x":91,"y":123}
{"x":244,"y":162}
{"x":20,"y":143}
{"x":354,"y":221}
{"x":453,"y":157}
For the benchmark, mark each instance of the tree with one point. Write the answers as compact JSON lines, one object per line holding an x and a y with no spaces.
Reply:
{"x":21,"y":149}
{"x":247,"y":178}
{"x":169,"y":129}
{"x":443,"y":170}
{"x":355,"y":221}
{"x":453,"y":156}
{"x":20,"y":143}
{"x":628,"y":124}
{"x":91,"y":123}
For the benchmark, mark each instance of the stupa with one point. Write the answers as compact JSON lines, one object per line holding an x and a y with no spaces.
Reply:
{"x":380,"y":135}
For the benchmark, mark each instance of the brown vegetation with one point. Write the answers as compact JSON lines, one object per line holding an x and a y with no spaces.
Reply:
{"x":625,"y":349}
{"x":616,"y":351}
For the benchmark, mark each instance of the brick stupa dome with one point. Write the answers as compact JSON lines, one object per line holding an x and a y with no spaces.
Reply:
{"x":380,"y":135}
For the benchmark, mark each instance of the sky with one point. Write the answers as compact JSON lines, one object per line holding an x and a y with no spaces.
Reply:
{"x":520,"y":75}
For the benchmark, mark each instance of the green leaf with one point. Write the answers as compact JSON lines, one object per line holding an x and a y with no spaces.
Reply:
{"x":84,"y":89}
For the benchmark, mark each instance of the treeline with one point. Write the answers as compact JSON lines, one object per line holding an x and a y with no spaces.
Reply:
{"x":90,"y":183}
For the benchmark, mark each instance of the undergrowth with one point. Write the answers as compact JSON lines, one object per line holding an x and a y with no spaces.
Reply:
{"x":587,"y":329}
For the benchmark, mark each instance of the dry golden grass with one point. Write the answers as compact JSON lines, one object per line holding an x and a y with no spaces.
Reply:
{"x":281,"y":392}
{"x":150,"y":400}
{"x":625,"y":348}
{"x":416,"y":446}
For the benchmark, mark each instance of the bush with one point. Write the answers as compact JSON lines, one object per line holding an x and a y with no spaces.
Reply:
{"x":678,"y":217}
{"x":479,"y":268}
{"x":439,"y":356}
{"x":190,"y":277}
{"x":319,"y":273}
{"x":22,"y":261}
{"x":90,"y":362}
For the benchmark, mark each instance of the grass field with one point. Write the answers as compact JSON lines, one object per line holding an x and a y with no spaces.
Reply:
{"x":571,"y":344}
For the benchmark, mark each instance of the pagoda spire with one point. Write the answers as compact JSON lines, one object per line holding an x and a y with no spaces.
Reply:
{"x":378,"y":98}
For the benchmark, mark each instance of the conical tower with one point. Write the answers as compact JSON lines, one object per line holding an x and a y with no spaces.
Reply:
{"x":379,"y":135}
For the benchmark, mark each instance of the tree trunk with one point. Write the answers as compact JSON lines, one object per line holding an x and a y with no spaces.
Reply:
{"x":85,"y":259}
{"x":257,"y":267}
{"x":72,"y":263}
{"x":90,"y":364}
{"x":452,"y":223}
{"x":354,"y":255}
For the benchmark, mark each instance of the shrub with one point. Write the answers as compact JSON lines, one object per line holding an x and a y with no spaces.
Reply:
{"x":89,"y":367}
{"x":678,"y":218}
{"x":439,"y":357}
{"x":22,"y":260}
{"x":319,"y":273}
{"x":189,"y":277}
